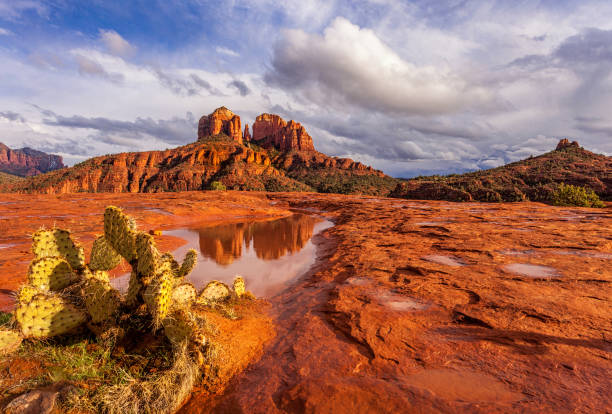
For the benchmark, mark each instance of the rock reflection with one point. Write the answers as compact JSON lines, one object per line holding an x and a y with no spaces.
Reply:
{"x":270,"y":239}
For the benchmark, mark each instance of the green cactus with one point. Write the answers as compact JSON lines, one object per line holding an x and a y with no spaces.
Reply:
{"x":166,"y":263}
{"x":101,"y":299}
{"x":183,"y":295}
{"x":58,"y":243}
{"x":191,"y":259}
{"x":9,"y":341}
{"x":179,"y":326}
{"x":51,"y":273}
{"x":103,"y":256}
{"x":214,"y":291}
{"x":239,"y":286}
{"x":157,"y":297}
{"x":47,"y":315}
{"x":133,"y":292}
{"x":119,"y":232}
{"x":149,"y":258}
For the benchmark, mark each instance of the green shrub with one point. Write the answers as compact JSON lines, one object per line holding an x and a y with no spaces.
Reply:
{"x":571,"y":195}
{"x":217,"y":186}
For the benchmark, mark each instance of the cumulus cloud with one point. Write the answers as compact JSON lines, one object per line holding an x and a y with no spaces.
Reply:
{"x":351,"y":65}
{"x":87,"y":66}
{"x":242,"y":88}
{"x":116,"y":44}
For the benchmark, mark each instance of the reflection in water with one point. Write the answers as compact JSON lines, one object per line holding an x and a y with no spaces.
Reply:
{"x":270,"y":239}
{"x":268,"y":254}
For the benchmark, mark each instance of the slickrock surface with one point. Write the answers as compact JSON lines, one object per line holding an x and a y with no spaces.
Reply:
{"x":27,"y":161}
{"x":412,"y":306}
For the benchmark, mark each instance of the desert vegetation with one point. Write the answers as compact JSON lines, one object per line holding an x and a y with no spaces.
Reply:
{"x":141,"y":351}
{"x":571,"y":195}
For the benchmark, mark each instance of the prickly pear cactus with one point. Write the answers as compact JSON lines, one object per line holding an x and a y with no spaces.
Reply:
{"x":101,"y":300}
{"x":166,"y":263}
{"x":239,"y":286}
{"x":58,"y":243}
{"x":148,"y":255}
{"x":27,"y":292}
{"x":9,"y":341}
{"x":51,"y":273}
{"x":191,"y":259}
{"x":184,"y":295}
{"x":214,"y":291}
{"x":103,"y":256}
{"x":47,"y":315}
{"x":179,"y":326}
{"x":133,"y":292}
{"x":158,"y":296}
{"x":119,"y":232}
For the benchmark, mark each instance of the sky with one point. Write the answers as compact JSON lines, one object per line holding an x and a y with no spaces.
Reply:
{"x":410,"y":87}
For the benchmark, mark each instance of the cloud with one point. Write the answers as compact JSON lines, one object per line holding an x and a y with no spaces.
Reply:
{"x":172,"y":131}
{"x":116,"y":44}
{"x":13,"y":9}
{"x":87,"y":66}
{"x":12,"y":116}
{"x":179,"y":85}
{"x":5,"y":32}
{"x":242,"y":88}
{"x":226,"y":51}
{"x":203,"y":83}
{"x":351,"y":65}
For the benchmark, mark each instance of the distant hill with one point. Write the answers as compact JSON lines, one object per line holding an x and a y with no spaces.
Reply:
{"x":532,"y":179}
{"x":27,"y":162}
{"x":278,"y":156}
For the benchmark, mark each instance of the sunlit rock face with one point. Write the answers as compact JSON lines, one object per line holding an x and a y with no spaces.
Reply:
{"x":270,"y":239}
{"x":273,"y":131}
{"x":222,"y":120}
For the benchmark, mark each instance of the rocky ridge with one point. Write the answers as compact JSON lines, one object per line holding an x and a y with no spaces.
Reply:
{"x":279,"y":157}
{"x":27,"y":162}
{"x":534,"y":179}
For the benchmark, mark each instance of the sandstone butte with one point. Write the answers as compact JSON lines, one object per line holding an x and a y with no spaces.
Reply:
{"x":411,"y":306}
{"x":280,"y":156}
{"x":27,"y":162}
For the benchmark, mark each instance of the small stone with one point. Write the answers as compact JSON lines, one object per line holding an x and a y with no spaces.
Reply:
{"x":33,"y":402}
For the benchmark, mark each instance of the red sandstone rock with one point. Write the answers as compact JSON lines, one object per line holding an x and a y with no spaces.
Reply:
{"x":272,"y":131}
{"x":246,"y":136}
{"x":27,"y":162}
{"x":565,"y":143}
{"x":222,"y":120}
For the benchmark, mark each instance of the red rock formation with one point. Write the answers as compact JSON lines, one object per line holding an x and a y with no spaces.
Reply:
{"x":246,"y":136}
{"x":222,"y":120}
{"x":565,"y":143}
{"x":27,"y":162}
{"x":272,"y":131}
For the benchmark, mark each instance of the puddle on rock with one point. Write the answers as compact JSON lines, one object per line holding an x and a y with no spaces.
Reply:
{"x":531,"y":270}
{"x":6,"y":246}
{"x":581,"y":253}
{"x":267,"y":254}
{"x":444,"y":260}
{"x":400,"y":303}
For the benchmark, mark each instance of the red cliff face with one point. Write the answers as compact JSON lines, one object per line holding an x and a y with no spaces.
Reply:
{"x":246,"y":136}
{"x":27,"y":162}
{"x":222,"y":120}
{"x":272,"y":131}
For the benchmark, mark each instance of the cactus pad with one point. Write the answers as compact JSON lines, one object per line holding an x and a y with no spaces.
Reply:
{"x":168,"y":264}
{"x":119,"y":232}
{"x":191,"y":259}
{"x":26,"y":293}
{"x":148,"y":255}
{"x":158,"y":296}
{"x":58,"y":243}
{"x":179,"y":326}
{"x":9,"y":341}
{"x":47,"y":315}
{"x":184,"y":295}
{"x":51,"y":273}
{"x":134,"y":289}
{"x":101,"y":300}
{"x":103,"y":256}
{"x":239,"y":286}
{"x":214,"y":291}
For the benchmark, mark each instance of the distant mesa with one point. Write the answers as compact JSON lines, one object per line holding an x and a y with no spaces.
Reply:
{"x":26,"y":162}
